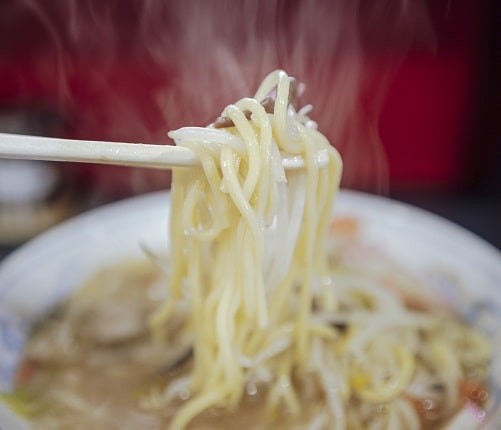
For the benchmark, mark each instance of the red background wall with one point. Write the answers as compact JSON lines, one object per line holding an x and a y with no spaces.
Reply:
{"x":427,"y":96}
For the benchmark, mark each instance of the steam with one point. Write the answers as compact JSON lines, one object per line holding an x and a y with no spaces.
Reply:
{"x":152,"y":66}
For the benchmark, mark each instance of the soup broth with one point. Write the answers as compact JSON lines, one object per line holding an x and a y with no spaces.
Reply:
{"x":93,"y":363}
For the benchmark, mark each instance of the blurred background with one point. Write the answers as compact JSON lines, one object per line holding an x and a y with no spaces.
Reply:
{"x":409,"y":91}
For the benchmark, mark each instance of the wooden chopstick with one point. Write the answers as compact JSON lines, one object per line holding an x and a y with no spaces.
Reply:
{"x":17,"y":146}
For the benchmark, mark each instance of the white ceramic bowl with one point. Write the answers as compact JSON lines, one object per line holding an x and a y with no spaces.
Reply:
{"x":47,"y":269}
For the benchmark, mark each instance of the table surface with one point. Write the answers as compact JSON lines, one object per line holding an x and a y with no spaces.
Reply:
{"x":479,"y":213}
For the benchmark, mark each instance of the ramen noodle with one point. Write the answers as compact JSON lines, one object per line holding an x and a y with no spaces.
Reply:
{"x":271,"y":316}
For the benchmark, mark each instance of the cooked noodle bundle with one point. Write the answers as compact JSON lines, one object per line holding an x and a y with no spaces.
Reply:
{"x":248,"y":249}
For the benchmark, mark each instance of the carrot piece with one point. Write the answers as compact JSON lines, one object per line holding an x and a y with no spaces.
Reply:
{"x":473,"y":391}
{"x":26,"y":372}
{"x":345,"y":225}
